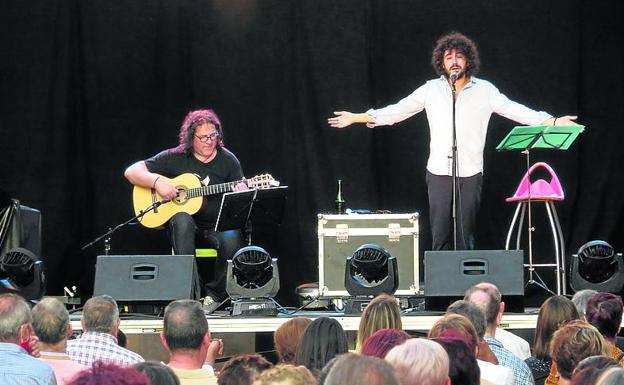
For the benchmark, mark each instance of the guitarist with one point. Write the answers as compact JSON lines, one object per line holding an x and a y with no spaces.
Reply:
{"x":201,"y":152}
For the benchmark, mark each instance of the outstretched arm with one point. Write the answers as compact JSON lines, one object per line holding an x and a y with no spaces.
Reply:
{"x":567,"y":120}
{"x":139,"y":175}
{"x":345,"y":118}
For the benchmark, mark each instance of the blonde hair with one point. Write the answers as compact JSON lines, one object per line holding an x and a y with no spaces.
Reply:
{"x":419,"y":362}
{"x":295,"y":375}
{"x":382,"y":312}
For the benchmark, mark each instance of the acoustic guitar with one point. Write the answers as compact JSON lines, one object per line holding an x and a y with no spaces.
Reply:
{"x":189,"y":199}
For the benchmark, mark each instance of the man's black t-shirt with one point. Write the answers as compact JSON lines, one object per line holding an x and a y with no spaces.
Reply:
{"x":222,"y":169}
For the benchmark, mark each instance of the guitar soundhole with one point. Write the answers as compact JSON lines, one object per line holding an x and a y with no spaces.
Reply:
{"x":182,"y":196}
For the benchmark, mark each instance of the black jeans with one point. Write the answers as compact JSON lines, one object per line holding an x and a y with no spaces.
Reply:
{"x":185,"y":234}
{"x":440,"y":191}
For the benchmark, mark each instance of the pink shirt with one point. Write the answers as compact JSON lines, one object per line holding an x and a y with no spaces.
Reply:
{"x":64,"y":368}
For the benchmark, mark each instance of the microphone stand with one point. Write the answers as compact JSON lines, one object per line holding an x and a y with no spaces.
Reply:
{"x":107,"y":235}
{"x":453,"y":79}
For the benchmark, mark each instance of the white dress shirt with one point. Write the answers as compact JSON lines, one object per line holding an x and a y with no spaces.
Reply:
{"x":515,"y":344}
{"x":496,"y":374}
{"x":475,"y":104}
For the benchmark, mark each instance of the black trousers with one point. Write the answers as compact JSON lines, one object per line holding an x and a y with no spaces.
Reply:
{"x":440,"y":191}
{"x":185,"y":234}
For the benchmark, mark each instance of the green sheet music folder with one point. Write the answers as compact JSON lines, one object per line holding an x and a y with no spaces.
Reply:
{"x":530,"y":137}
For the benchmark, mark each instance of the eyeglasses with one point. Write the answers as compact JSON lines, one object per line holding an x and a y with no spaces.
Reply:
{"x":206,"y":138}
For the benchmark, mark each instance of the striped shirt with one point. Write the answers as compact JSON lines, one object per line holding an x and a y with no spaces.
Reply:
{"x":92,"y":346}
{"x":506,"y":358}
{"x":18,"y":368}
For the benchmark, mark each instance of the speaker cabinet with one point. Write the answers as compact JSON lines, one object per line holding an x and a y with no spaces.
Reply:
{"x":146,"y":278}
{"x":449,"y":273}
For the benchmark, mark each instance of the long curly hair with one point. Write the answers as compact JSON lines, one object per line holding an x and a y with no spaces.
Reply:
{"x":193,"y":120}
{"x":460,"y":43}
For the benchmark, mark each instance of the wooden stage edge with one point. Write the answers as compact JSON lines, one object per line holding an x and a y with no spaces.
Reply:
{"x":255,"y":334}
{"x":228,"y":324}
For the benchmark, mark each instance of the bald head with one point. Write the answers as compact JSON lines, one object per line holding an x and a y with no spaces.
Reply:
{"x":487,"y":297}
{"x":50,"y":321}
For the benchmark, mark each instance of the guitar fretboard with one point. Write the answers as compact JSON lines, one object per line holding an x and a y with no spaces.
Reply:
{"x":211,"y":189}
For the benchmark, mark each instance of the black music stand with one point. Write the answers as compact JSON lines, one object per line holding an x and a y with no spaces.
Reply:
{"x":239,"y":210}
{"x":235,"y":210}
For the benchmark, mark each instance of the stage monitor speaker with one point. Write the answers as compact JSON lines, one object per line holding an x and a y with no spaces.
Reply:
{"x":448,"y":274}
{"x":145,"y":278}
{"x":23,"y":230}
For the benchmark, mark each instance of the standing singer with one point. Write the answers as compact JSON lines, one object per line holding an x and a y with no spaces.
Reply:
{"x":455,"y":57}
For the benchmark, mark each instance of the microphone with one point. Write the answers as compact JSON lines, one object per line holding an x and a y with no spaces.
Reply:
{"x":454,"y":75}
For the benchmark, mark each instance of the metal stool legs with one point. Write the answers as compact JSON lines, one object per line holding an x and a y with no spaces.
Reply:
{"x":558,"y":244}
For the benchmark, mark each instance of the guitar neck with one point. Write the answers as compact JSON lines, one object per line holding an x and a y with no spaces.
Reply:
{"x":211,"y":189}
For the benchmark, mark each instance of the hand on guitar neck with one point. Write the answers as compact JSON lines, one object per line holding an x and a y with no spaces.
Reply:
{"x":168,"y":191}
{"x":240,"y":186}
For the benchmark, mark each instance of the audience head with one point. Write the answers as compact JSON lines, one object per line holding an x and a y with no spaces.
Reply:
{"x":382,"y":312}
{"x":554,"y":312}
{"x":326,"y":369}
{"x":604,"y":311}
{"x":243,"y":369}
{"x":322,"y":340}
{"x":475,"y":315}
{"x":456,"y":323}
{"x":185,"y":326}
{"x":100,"y":314}
{"x":588,"y":370}
{"x":419,"y":361}
{"x":572,"y":343}
{"x":380,"y":342}
{"x":580,"y":300}
{"x":463,"y":366}
{"x":109,"y":374}
{"x":158,"y":373}
{"x":285,"y":374}
{"x":15,"y":319}
{"x":287,"y":336}
{"x":354,"y":369}
{"x":51,"y":321}
{"x":487,"y":297}
{"x":611,"y":376}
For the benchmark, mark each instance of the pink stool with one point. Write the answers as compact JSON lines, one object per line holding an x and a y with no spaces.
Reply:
{"x":547,"y":192}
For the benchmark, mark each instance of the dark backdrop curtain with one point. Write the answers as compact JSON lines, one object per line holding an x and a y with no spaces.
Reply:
{"x":89,"y":87}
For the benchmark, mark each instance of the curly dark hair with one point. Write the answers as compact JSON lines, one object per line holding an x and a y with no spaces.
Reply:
{"x":460,"y":43}
{"x":193,"y":120}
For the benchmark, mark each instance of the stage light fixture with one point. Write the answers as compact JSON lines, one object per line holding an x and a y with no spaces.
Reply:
{"x":369,"y":272}
{"x":252,"y":282}
{"x":22,"y":273}
{"x":596,"y":266}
